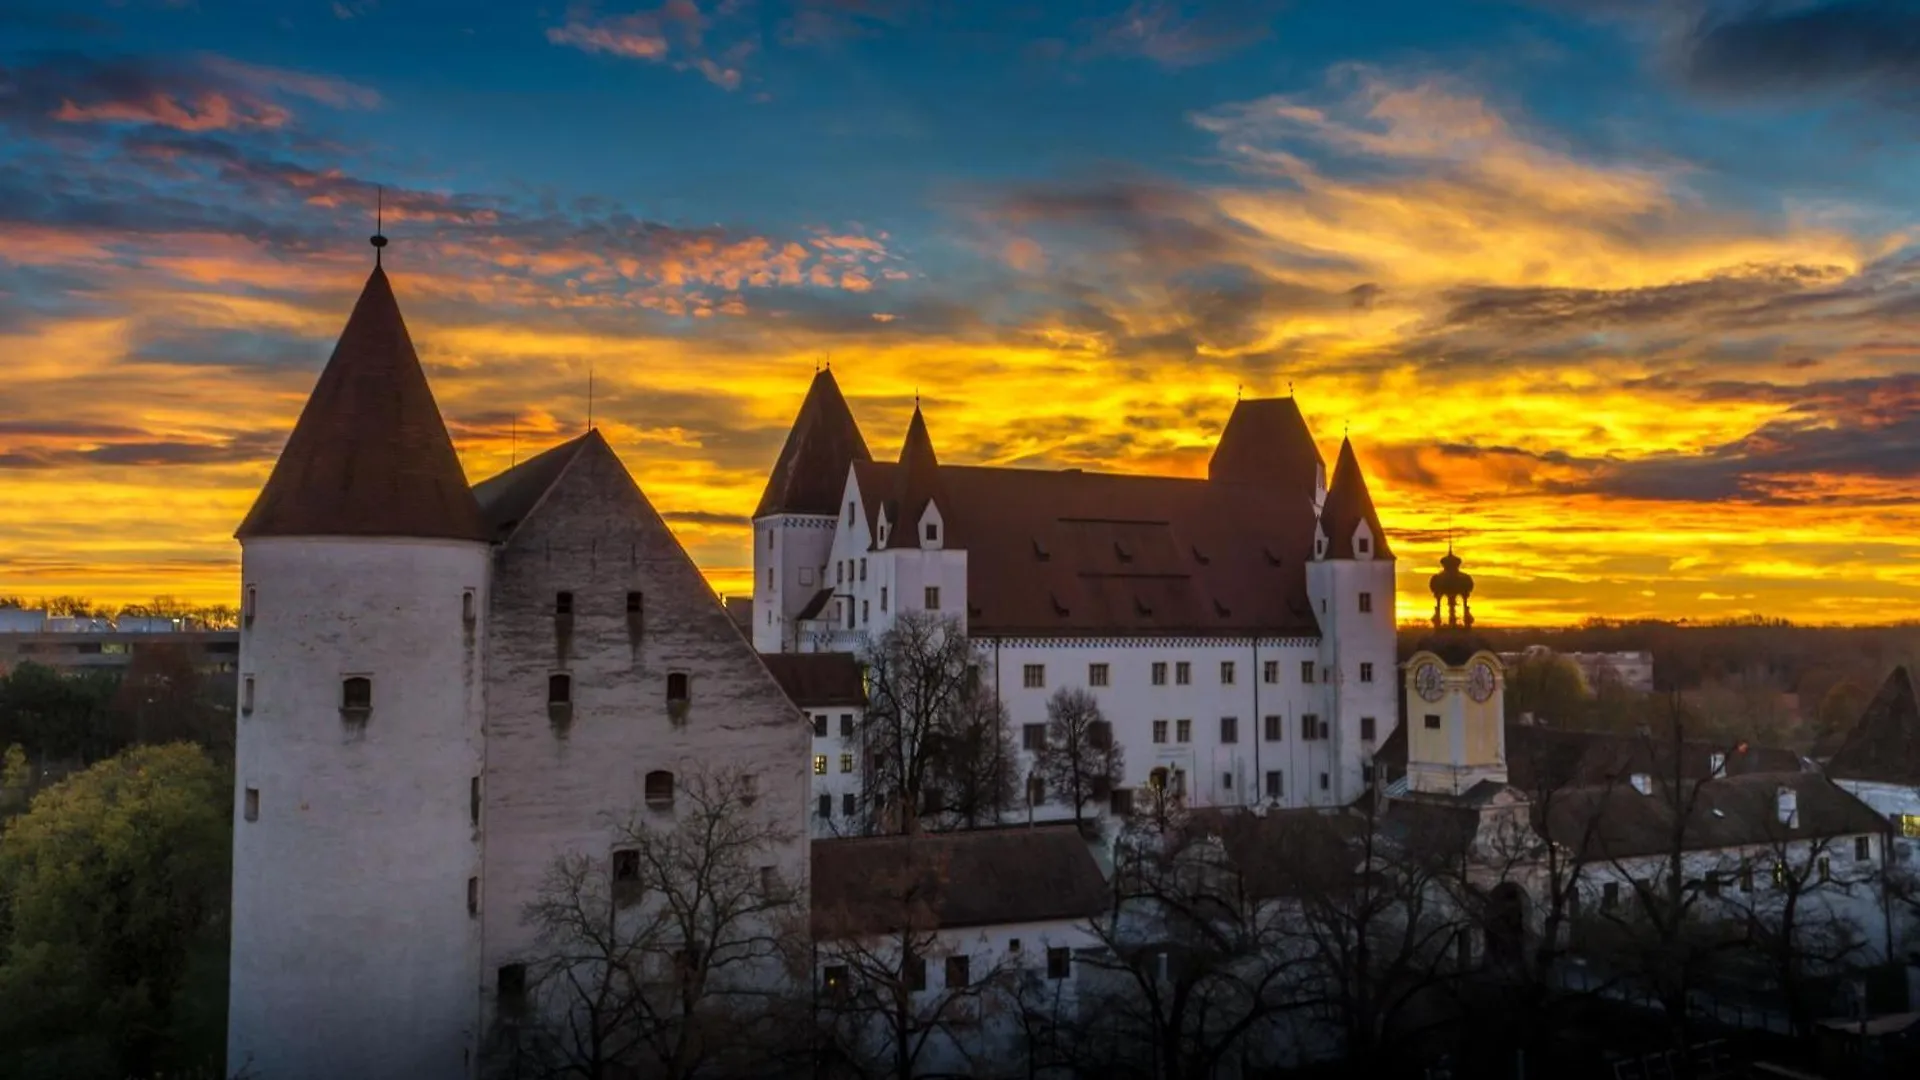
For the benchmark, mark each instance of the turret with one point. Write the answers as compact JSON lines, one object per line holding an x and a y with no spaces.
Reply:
{"x":1350,"y":583}
{"x":1456,"y":723}
{"x":793,"y":527}
{"x":356,"y":846}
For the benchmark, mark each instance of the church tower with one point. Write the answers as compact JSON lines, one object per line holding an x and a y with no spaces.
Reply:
{"x":1456,"y":725}
{"x":356,"y":841}
{"x":793,"y":527}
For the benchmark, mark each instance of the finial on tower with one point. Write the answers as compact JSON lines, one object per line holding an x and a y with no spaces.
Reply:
{"x":1237,"y":389}
{"x":1289,"y":387}
{"x":378,"y":239}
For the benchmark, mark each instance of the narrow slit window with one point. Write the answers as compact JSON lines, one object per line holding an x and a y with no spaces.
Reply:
{"x":559,"y":689}
{"x":253,"y":804}
{"x":473,"y":896}
{"x":677,"y":692}
{"x":467,"y":606}
{"x":252,"y":602}
{"x":473,"y":800}
{"x":563,"y":603}
{"x":635,"y":603}
{"x":246,"y":696}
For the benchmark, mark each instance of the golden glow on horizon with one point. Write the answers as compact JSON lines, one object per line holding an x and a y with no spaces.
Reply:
{"x":1496,"y":422}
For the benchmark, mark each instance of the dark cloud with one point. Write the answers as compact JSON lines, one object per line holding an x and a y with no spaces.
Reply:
{"x":245,"y":447}
{"x":707,"y":517}
{"x":208,"y":93}
{"x":1769,"y":48}
{"x":1746,"y":293}
{"x":1179,"y":33}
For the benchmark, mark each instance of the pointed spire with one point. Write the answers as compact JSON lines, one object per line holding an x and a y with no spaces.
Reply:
{"x":1884,"y":745}
{"x":370,"y":455}
{"x":811,"y":471}
{"x":918,"y":479}
{"x":1348,"y":504}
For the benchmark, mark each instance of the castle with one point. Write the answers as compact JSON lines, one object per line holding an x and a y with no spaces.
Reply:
{"x":1238,"y":630}
{"x":444,"y":685}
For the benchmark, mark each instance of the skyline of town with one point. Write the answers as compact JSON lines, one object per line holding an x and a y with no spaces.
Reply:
{"x":1620,"y":294}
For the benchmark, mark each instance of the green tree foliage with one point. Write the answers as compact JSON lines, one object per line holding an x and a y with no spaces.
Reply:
{"x":60,"y":715}
{"x":16,"y":779}
{"x":113,"y":892}
{"x":1549,"y":687}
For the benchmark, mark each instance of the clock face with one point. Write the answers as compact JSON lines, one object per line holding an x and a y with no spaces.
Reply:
{"x":1427,"y":681}
{"x":1480,"y":681}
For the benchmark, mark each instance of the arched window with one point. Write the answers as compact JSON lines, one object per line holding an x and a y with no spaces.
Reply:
{"x":559,"y":689}
{"x":356,"y":693}
{"x":660,"y":789}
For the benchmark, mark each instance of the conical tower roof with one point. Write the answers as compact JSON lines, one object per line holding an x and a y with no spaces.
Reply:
{"x":812,"y":469}
{"x":918,"y":481}
{"x":1885,"y":745}
{"x":1266,"y":442}
{"x":1348,"y":504}
{"x":370,"y":455}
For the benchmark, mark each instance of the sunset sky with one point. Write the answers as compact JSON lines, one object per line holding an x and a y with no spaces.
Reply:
{"x":1625,"y":292}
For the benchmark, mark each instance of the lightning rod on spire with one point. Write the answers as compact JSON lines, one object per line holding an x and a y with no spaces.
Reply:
{"x":379,"y":239}
{"x":589,"y":395}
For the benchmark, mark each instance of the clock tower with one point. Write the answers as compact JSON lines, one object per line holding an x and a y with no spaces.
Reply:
{"x":1456,"y":724}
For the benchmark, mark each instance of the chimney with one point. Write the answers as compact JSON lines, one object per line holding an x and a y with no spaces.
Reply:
{"x":1787,"y":801}
{"x":1642,"y":783}
{"x":1717,"y":764}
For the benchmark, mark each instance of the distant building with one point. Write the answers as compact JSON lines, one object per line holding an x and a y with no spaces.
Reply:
{"x":1625,"y":670}
{"x":211,"y":650}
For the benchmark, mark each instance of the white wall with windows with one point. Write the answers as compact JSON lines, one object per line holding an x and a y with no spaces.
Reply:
{"x":836,"y":766}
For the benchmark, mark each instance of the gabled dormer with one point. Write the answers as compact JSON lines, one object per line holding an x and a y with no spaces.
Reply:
{"x":932,"y":530}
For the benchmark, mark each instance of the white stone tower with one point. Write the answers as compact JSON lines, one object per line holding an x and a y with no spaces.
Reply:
{"x":793,"y":527}
{"x":356,"y":847}
{"x":1350,"y":584}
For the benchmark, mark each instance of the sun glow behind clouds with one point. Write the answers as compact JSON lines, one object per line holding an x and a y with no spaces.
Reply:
{"x":1624,"y":397}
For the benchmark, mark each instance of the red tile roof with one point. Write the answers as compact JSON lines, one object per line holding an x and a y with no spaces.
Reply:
{"x":1101,"y":553}
{"x":816,"y":680}
{"x":812,"y":468}
{"x":507,"y":498}
{"x":1348,"y":504}
{"x":370,"y":455}
{"x":1266,"y":444}
{"x":975,"y":877}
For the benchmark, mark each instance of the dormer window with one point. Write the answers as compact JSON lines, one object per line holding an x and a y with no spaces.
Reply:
{"x":933,"y":532}
{"x":1319,"y":547}
{"x":1363,"y":546}
{"x":849,"y":511}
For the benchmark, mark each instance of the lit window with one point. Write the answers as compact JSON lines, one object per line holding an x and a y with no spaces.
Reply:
{"x":819,"y":764}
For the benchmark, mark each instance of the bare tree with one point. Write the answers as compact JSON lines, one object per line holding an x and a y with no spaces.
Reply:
{"x":922,"y":684}
{"x":670,"y":957}
{"x":975,"y":767}
{"x":1194,"y":968}
{"x":873,"y":954}
{"x":1081,"y":762}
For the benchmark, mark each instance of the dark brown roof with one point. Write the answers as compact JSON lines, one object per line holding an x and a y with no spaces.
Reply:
{"x":370,"y":455}
{"x":814,"y":680}
{"x":916,"y":483}
{"x":1885,"y":745}
{"x":812,"y":469}
{"x":978,"y":877}
{"x":506,"y":499}
{"x":1616,"y":821}
{"x":1543,"y":759}
{"x":1266,"y":444}
{"x":1073,"y":552}
{"x":1348,"y":504}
